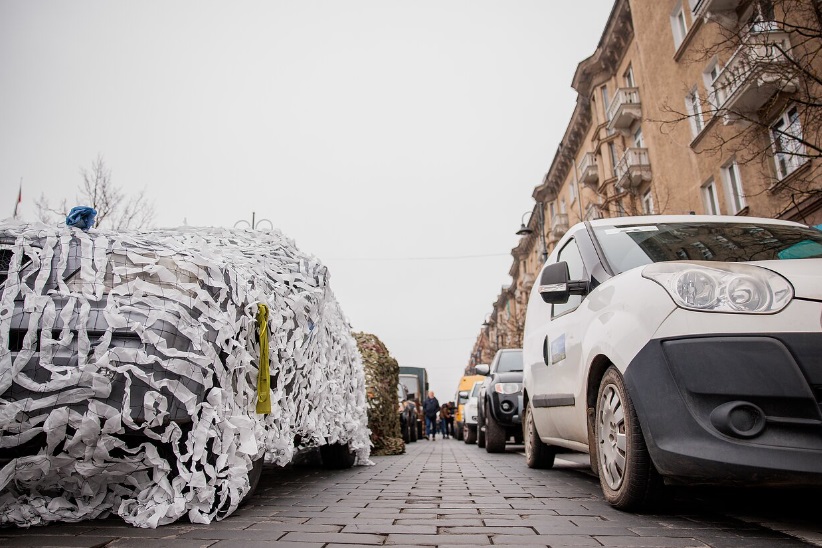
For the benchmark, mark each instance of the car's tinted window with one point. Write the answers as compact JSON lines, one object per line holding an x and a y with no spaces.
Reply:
{"x":570,"y":254}
{"x":627,"y":247}
{"x":475,"y":391}
{"x":509,"y":361}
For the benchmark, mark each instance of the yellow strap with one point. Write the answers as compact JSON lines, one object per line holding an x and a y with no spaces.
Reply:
{"x":263,"y":376}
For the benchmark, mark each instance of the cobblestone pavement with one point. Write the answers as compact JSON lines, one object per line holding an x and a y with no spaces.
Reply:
{"x":447,"y":493}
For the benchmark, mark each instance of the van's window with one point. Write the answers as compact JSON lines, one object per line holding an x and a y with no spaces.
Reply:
{"x":627,"y":247}
{"x":510,"y":361}
{"x":476,"y":389}
{"x":570,"y":254}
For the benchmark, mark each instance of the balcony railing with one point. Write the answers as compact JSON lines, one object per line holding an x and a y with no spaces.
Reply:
{"x":624,"y":109}
{"x":588,"y":171}
{"x":710,"y":8}
{"x":754,"y":74}
{"x":559,"y":225}
{"x":633,"y":168}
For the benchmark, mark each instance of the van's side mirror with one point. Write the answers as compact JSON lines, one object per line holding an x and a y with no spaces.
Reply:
{"x":463,"y":393}
{"x":482,"y":369}
{"x":555,"y":286}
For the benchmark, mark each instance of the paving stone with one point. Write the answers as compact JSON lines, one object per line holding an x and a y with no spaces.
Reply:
{"x":340,"y":538}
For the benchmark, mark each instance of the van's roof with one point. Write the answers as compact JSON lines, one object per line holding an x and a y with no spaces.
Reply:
{"x":651,"y":219}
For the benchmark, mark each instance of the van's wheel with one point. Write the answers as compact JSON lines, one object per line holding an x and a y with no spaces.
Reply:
{"x":628,"y":478}
{"x":460,"y":433}
{"x":494,"y":434}
{"x":469,"y":435}
{"x":538,"y":454}
{"x":253,"y":479}
{"x":337,"y":456}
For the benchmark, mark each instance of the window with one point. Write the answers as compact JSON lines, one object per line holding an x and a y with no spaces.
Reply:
{"x":786,"y":137}
{"x":552,"y":210}
{"x":679,"y":25}
{"x":709,"y":198}
{"x":694,"y":108}
{"x":716,"y":93}
{"x":762,"y":17}
{"x":639,"y":141}
{"x":572,"y":193}
{"x":576,"y":270}
{"x":614,"y":159}
{"x":605,"y":103}
{"x":733,"y":188}
{"x":629,"y":77}
{"x":647,"y":203}
{"x":562,"y":206}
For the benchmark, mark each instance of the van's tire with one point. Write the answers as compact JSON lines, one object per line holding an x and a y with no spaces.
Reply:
{"x":538,"y":454}
{"x":626,"y":473}
{"x":494,"y":434}
{"x":469,"y":434}
{"x":460,"y":433}
{"x":253,"y":479}
{"x":337,"y":456}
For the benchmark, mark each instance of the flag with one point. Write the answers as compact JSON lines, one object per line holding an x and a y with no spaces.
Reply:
{"x":19,"y":198}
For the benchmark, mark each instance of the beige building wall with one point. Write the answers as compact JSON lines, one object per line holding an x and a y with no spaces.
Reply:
{"x":633,"y":147}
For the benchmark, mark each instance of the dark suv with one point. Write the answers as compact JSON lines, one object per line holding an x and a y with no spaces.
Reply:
{"x":500,"y":401}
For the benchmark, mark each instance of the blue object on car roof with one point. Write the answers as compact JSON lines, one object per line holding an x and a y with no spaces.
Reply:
{"x":81,"y":217}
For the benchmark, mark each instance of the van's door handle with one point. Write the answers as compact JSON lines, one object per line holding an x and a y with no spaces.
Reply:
{"x":546,"y":358}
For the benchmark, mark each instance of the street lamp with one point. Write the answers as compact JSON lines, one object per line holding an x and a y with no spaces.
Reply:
{"x":524,"y":230}
{"x":254,"y":225}
{"x":527,"y":231}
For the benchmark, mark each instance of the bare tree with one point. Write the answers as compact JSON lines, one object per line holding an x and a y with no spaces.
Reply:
{"x":764,"y":106}
{"x":114,"y":208}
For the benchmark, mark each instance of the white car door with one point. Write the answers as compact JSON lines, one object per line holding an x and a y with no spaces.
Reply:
{"x":556,"y":394}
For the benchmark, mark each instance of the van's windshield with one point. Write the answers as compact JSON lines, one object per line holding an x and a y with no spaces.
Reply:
{"x":630,"y":246}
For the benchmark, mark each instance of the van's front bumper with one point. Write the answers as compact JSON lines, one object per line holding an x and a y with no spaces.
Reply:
{"x":732,"y":408}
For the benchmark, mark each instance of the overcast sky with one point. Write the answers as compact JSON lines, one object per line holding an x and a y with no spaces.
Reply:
{"x":391,"y":139}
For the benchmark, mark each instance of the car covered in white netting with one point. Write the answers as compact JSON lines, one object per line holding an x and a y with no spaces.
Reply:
{"x":150,"y":374}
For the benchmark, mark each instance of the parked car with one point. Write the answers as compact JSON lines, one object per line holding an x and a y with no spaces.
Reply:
{"x":463,"y":392}
{"x":471,"y":414}
{"x":678,"y":349}
{"x":500,"y":400}
{"x":152,"y":372}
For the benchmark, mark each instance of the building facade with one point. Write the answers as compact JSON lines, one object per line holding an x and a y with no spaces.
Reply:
{"x":703,"y":106}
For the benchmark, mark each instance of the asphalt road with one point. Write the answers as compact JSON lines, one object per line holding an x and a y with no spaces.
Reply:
{"x":447,"y":493}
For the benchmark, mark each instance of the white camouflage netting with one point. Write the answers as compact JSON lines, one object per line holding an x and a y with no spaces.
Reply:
{"x":106,"y":336}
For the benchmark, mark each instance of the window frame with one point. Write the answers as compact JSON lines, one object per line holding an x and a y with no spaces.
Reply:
{"x":734,"y":193}
{"x":679,"y":24}
{"x":787,"y":161}
{"x":648,"y":203}
{"x":710,"y":197}
{"x":693,"y":107}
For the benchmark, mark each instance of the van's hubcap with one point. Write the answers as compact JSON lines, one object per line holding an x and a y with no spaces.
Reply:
{"x":611,"y":437}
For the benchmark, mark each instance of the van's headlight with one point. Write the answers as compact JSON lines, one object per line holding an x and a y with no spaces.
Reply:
{"x":722,"y":287}
{"x":507,"y":387}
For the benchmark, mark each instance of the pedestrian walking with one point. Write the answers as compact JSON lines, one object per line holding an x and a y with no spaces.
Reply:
{"x":445,"y":414}
{"x":451,"y":411}
{"x":430,"y":407}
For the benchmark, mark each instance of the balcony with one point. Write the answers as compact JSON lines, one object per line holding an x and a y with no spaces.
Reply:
{"x":754,"y":74}
{"x":720,"y":10}
{"x":624,"y":109}
{"x":588,"y":171}
{"x":559,"y":226}
{"x":633,"y":168}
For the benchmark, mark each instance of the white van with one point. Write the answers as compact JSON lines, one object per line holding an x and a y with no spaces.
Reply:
{"x":678,"y":349}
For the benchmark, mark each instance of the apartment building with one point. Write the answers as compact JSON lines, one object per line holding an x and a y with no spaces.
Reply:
{"x":704,"y":106}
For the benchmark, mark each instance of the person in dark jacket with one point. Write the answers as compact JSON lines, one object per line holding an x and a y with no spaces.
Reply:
{"x":430,"y":407}
{"x":445,"y":416}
